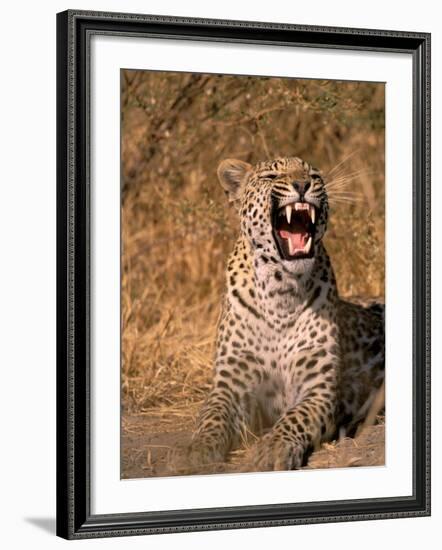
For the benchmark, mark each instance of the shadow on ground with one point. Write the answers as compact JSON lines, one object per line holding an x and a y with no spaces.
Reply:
{"x":46,"y":524}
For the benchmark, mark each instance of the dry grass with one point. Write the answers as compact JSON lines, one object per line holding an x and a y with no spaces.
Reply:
{"x":177,"y":229}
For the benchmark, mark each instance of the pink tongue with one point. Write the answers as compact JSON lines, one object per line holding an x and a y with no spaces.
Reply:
{"x":299,"y":240}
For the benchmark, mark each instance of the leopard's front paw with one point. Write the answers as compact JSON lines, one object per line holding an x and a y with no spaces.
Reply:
{"x":198,"y":456}
{"x":273,"y":453}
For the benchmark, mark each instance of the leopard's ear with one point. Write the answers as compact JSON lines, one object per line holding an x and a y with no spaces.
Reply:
{"x":232,"y":174}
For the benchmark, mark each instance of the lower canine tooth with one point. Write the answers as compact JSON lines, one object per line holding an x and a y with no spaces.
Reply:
{"x":291,"y":250}
{"x":308,"y":245}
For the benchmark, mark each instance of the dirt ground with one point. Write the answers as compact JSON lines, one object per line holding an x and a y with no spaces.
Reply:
{"x":148,"y":440}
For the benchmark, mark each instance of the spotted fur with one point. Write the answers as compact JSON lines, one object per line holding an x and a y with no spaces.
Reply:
{"x":292,"y":357}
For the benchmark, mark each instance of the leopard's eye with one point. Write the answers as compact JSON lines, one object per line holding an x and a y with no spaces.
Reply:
{"x":269,"y":176}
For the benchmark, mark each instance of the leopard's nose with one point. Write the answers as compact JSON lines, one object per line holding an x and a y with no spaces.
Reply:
{"x":301,"y":187}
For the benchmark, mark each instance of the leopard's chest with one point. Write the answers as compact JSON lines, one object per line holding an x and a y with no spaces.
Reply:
{"x":278,"y":341}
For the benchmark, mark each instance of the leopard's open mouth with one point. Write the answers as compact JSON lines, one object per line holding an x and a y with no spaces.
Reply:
{"x":294,"y":230}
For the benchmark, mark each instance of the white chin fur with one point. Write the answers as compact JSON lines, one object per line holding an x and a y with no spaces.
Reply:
{"x":301,"y":265}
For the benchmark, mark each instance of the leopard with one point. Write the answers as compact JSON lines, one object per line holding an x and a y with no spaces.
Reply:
{"x":294,"y":362}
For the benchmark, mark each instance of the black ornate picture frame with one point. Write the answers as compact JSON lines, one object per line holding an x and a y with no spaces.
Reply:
{"x":74,"y":32}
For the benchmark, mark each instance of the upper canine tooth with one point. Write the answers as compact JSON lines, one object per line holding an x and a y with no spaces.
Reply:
{"x":288,"y":212}
{"x":312,"y":214}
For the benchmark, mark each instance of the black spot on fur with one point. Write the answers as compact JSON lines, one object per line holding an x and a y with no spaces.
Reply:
{"x":310,"y":377}
{"x":301,"y":361}
{"x":225,"y":373}
{"x":326,"y":368}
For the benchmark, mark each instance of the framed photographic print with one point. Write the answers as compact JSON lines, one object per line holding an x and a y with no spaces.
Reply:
{"x":243,"y":274}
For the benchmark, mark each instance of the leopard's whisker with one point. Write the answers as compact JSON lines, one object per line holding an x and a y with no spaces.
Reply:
{"x":338,"y":194}
{"x":345,"y":179}
{"x":343,"y":161}
{"x":351,"y":176}
{"x":347,"y":196}
{"x":342,"y":193}
{"x":345,"y":201}
{"x":346,"y":173}
{"x":339,"y":185}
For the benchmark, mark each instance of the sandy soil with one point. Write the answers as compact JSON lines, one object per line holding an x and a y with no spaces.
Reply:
{"x":148,"y":440}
